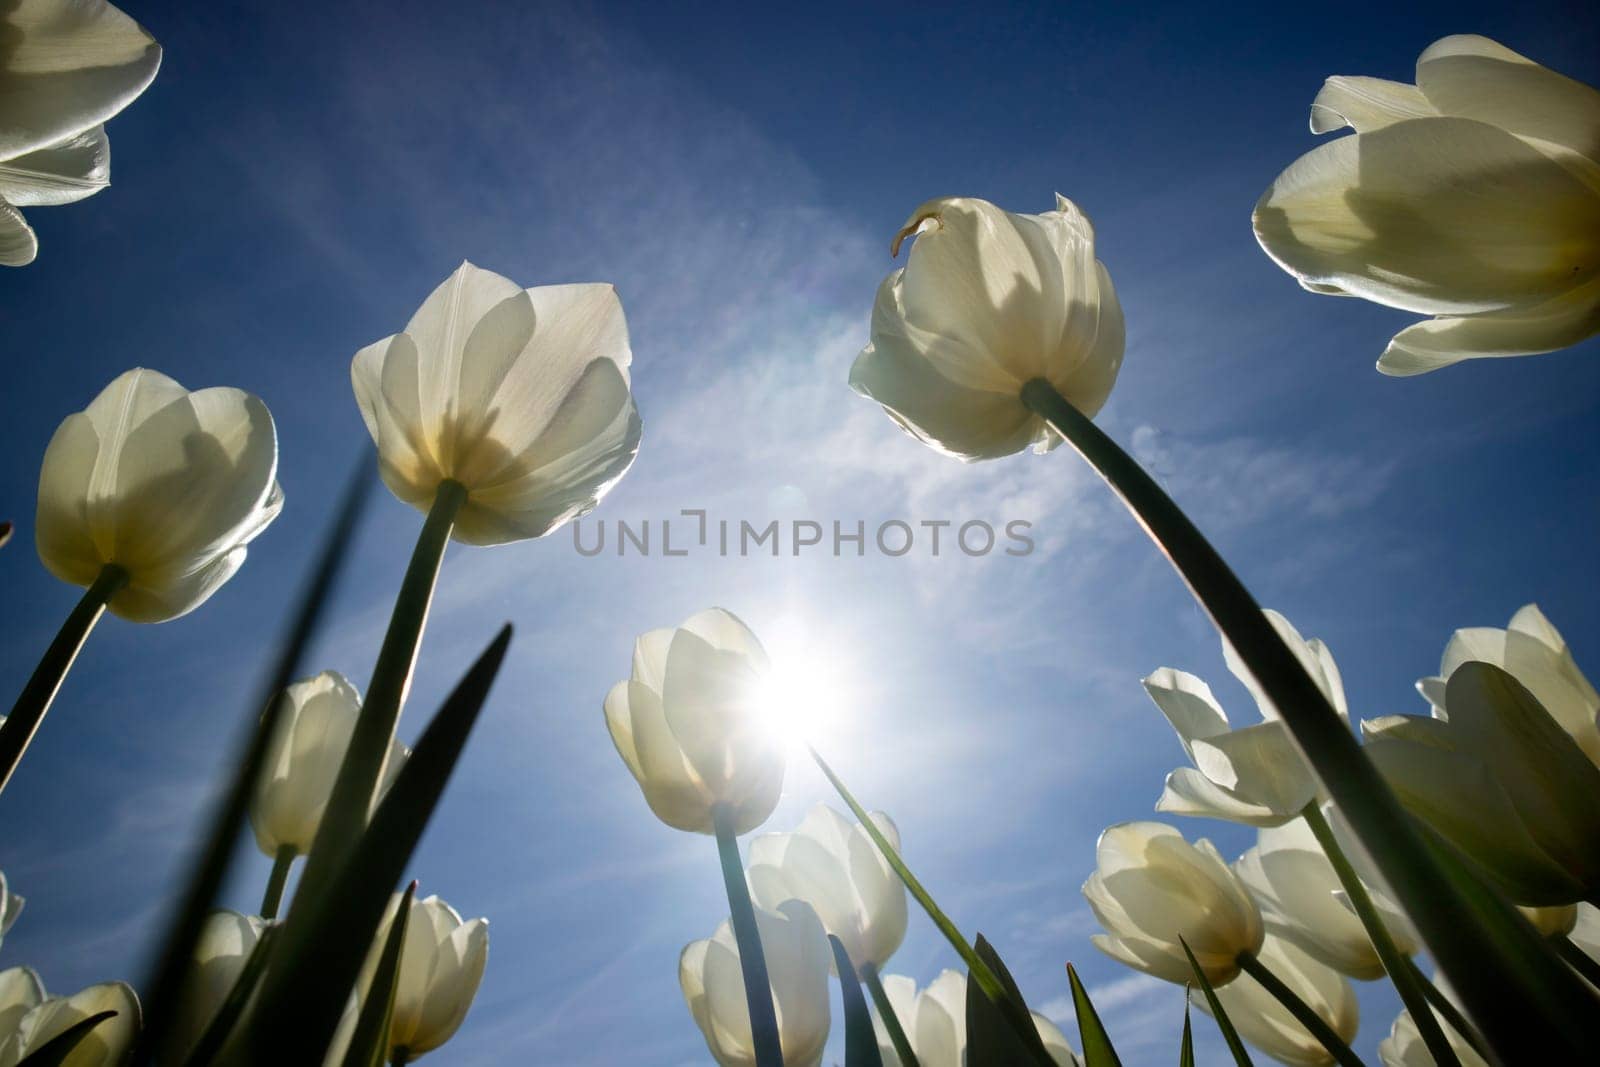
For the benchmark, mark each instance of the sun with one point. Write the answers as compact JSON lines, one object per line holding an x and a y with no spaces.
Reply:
{"x":807,"y":691}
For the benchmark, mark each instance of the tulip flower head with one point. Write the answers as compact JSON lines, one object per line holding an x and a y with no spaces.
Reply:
{"x":441,"y":965}
{"x":1533,"y":652}
{"x":1501,"y":781}
{"x":1472,"y":196}
{"x":313,"y":733}
{"x":42,"y":1018}
{"x":1301,"y":901}
{"x":1404,"y":1047}
{"x":520,"y":396}
{"x":1254,"y":774}
{"x":226,"y":941}
{"x":166,"y":484}
{"x":935,"y":1022}
{"x":1152,"y":888}
{"x":67,"y":66}
{"x":987,"y":302}
{"x":798,"y":959}
{"x":1261,"y":1018}
{"x":833,"y":865}
{"x":692,"y":726}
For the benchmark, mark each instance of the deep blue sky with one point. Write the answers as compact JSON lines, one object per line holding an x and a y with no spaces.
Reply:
{"x":300,"y":176}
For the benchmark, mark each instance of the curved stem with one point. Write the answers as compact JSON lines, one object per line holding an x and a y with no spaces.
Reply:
{"x":1402,"y":972}
{"x":891,"y":1021}
{"x":1577,"y":959}
{"x":29,"y":710}
{"x":273,"y":898}
{"x":350,"y":804}
{"x":1302,"y":1011}
{"x":1509,"y":978}
{"x":1448,"y":1010}
{"x":752,"y":958}
{"x":1016,"y":1014}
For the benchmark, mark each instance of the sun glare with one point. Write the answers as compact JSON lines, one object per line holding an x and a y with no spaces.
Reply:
{"x":807,"y":692}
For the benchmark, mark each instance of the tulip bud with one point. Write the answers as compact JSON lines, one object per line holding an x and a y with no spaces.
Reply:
{"x":314,"y":730}
{"x":67,"y":67}
{"x":519,"y":395}
{"x":106,"y":1045}
{"x":1256,"y":774}
{"x":797,"y":956}
{"x":441,"y":965}
{"x":1404,"y":1046}
{"x":831,"y":864}
{"x":1151,"y":887}
{"x":691,"y":727}
{"x":1502,"y":782}
{"x":1261,"y":1018}
{"x":1470,"y":196}
{"x":226,"y":941}
{"x":988,"y":301}
{"x":166,"y":484}
{"x":935,"y":1022}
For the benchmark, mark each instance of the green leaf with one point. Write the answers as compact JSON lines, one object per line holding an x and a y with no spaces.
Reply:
{"x":886,"y":1015}
{"x":54,"y":1052}
{"x":205,"y":878}
{"x":369,"y":1045}
{"x":1186,"y":1053}
{"x":327,"y":935}
{"x":221,"y":1025}
{"x":991,"y":1038}
{"x":1097,"y":1050}
{"x":1225,"y":1024}
{"x":860,"y":1042}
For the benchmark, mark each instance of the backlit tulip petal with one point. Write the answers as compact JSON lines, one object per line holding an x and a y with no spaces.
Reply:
{"x":11,"y":903}
{"x":18,"y":243}
{"x":107,"y":1045}
{"x":1366,"y":104}
{"x":1264,"y":1022}
{"x":441,"y":966}
{"x":797,"y":956}
{"x":1477,"y":78}
{"x":935,"y":1022}
{"x":988,"y":301}
{"x":521,"y":396}
{"x":167,"y":484}
{"x":1404,"y":1046}
{"x":20,"y":991}
{"x":225,"y":944}
{"x":78,"y":167}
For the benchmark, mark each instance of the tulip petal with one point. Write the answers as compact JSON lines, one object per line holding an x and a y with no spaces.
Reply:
{"x":1188,"y":792}
{"x":1436,"y":215}
{"x":1477,"y":78}
{"x":1263,"y":1020}
{"x":1547,"y":327}
{"x":1260,"y":763}
{"x":440,"y":328}
{"x":1188,"y":704}
{"x":20,"y":991}
{"x":18,"y":243}
{"x":1366,"y":104}
{"x":67,"y":67}
{"x":63,"y":173}
{"x":61,"y":527}
{"x":107,"y":1043}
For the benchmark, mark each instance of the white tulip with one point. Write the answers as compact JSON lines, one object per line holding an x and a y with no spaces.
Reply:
{"x":1502,"y":782}
{"x":226,"y":941}
{"x":1301,"y":901}
{"x":1261,"y":1018}
{"x":691,"y":726}
{"x":1404,"y":1046}
{"x":1557,"y":921}
{"x":519,"y":395}
{"x":20,"y":992}
{"x":1533,"y":651}
{"x":1151,"y":887}
{"x":1473,"y":196}
{"x":168,"y":485}
{"x":304,"y":760}
{"x":935,"y":1022}
{"x":988,"y":301}
{"x":441,"y":965}
{"x":798,"y":958}
{"x":106,"y":1045}
{"x":831,"y":864}
{"x":10,"y":903}
{"x":1585,"y":932}
{"x":66,"y":67}
{"x":1253,"y":774}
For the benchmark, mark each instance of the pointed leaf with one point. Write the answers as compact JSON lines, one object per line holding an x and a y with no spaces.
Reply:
{"x":1097,"y":1050}
{"x":1186,"y":1053}
{"x":991,"y":1038}
{"x":55,"y":1052}
{"x":369,"y":1046}
{"x":860,"y":1042}
{"x":1225,"y":1024}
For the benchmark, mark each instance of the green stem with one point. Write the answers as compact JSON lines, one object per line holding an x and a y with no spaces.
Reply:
{"x":350,"y":803}
{"x":1402,"y":972}
{"x":1510,"y":980}
{"x":1302,"y":1011}
{"x":29,"y":710}
{"x":891,"y":1021}
{"x":273,"y":898}
{"x":1577,"y":959}
{"x":752,"y":959}
{"x":1447,"y":1008}
{"x":1017,"y":1015}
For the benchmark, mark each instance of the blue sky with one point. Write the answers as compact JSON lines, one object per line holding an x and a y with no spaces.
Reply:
{"x":300,"y":176}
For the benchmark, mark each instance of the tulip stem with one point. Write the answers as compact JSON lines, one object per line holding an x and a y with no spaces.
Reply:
{"x":400,"y":1057}
{"x":1302,"y":1011}
{"x":891,"y":1021}
{"x":350,"y":803}
{"x":1016,"y":1014}
{"x":29,"y":710}
{"x":1402,"y":972}
{"x":273,"y":898}
{"x":1447,"y":1008}
{"x":1577,"y":959}
{"x":752,"y":959}
{"x":1511,"y":981}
